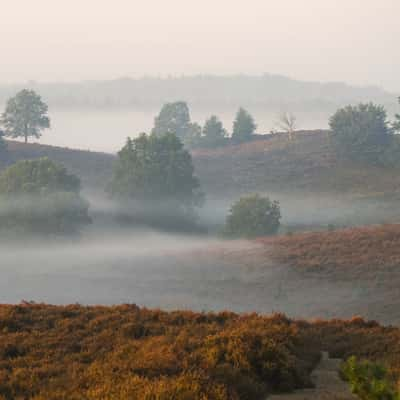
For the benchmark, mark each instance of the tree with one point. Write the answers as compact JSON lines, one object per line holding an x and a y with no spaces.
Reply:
{"x":214,"y":133}
{"x":243,"y":126}
{"x":360,"y":131}
{"x":3,"y":144}
{"x":396,"y":124}
{"x":252,"y":216}
{"x":175,"y":118}
{"x":154,"y":178}
{"x":40,"y":196}
{"x":25,"y":115}
{"x":287,"y":122}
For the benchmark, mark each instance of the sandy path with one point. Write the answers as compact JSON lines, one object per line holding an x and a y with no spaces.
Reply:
{"x":328,"y":385}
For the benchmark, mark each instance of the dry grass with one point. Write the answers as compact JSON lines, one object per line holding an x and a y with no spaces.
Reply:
{"x":360,"y":250}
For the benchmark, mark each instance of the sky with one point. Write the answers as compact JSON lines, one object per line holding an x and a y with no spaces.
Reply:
{"x":356,"y":41}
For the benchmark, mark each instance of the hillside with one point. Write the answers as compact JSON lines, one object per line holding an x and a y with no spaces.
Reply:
{"x":314,"y":188}
{"x":125,"y":352}
{"x":358,"y":268}
{"x":272,"y":163}
{"x":268,"y":163}
{"x":93,"y":168}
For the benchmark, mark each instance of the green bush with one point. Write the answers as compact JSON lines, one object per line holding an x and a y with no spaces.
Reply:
{"x":361,"y":132}
{"x":368,"y":380}
{"x":253,"y":216}
{"x":40,"y":196}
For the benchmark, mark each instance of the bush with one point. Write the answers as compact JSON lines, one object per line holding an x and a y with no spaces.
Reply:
{"x":252,"y":216}
{"x":3,"y":144}
{"x":368,"y":380}
{"x":40,"y":196}
{"x":361,"y":131}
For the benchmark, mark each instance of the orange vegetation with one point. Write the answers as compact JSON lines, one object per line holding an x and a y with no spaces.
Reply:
{"x":360,"y":249}
{"x":124,"y":352}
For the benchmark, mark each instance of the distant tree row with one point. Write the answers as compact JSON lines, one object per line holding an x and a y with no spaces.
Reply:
{"x":175,"y":118}
{"x":154,"y":180}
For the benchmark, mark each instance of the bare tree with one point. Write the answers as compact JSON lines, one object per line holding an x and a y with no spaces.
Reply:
{"x":288,"y":123}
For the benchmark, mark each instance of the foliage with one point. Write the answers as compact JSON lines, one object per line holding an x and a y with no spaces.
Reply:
{"x":368,"y":380}
{"x":124,"y":352}
{"x":154,"y":176}
{"x":25,"y":115}
{"x":214,"y":133}
{"x":40,"y":196}
{"x":396,"y":124}
{"x":252,"y":216}
{"x":361,"y":131}
{"x":174,"y":118}
{"x":3,"y":144}
{"x":243,"y":126}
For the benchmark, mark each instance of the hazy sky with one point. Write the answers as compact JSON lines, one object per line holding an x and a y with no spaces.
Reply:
{"x":349,"y":40}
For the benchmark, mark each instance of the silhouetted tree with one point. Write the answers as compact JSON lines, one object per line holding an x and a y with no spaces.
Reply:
{"x":243,"y":127}
{"x":25,"y":115}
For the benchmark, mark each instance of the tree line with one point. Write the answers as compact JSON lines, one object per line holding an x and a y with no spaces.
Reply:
{"x":154,"y":181}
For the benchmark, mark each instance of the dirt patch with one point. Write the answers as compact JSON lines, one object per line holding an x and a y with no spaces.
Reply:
{"x":328,"y":385}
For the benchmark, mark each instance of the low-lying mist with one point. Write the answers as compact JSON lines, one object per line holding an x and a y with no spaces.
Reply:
{"x":111,"y":264}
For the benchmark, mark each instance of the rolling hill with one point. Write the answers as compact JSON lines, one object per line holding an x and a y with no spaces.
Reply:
{"x":314,"y":187}
{"x":268,"y":163}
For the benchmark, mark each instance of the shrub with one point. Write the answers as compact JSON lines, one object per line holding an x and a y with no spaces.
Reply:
{"x":40,"y":196}
{"x":368,"y":380}
{"x":361,"y":131}
{"x":252,"y":216}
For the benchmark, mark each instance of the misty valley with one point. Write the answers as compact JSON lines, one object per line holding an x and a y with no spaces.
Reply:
{"x":199,"y":200}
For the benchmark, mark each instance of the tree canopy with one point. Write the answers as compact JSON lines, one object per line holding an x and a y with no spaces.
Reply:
{"x":3,"y":144}
{"x":243,"y":126}
{"x":175,"y":118}
{"x":252,"y":216}
{"x":361,"y":130}
{"x":25,"y":115}
{"x":155,"y":175}
{"x":214,"y":133}
{"x":41,"y":196}
{"x":396,"y":124}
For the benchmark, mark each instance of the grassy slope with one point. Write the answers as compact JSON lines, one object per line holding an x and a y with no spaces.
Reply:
{"x":353,"y":251}
{"x":267,"y":163}
{"x":274,"y":164}
{"x":93,"y":168}
{"x":366,"y":258}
